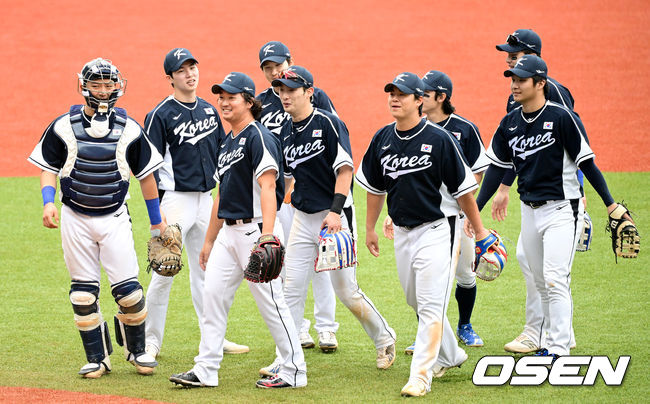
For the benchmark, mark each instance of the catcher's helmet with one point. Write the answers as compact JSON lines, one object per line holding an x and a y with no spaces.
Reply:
{"x":100,"y":70}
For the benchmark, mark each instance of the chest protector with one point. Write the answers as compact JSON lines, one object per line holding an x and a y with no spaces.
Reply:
{"x":94,"y":182}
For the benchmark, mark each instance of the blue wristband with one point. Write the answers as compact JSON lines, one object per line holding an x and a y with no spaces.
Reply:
{"x":48,"y":193}
{"x":153,"y":208}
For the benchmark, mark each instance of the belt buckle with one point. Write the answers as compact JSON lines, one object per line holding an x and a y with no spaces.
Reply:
{"x":536,"y":204}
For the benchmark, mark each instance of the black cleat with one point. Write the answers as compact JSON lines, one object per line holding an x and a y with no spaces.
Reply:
{"x":187,"y":379}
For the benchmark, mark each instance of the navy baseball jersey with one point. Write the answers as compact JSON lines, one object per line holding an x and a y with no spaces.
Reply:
{"x":314,"y":149}
{"x":94,"y":171}
{"x":422,"y":170}
{"x":556,"y":93}
{"x":273,"y":115}
{"x":187,"y":136}
{"x":241,"y":161}
{"x":545,"y":148}
{"x":470,"y":141}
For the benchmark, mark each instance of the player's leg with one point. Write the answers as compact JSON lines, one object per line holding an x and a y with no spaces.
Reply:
{"x":80,"y":253}
{"x":348,"y":291}
{"x":117,"y":255}
{"x":324,"y":311}
{"x":466,"y":292}
{"x":561,"y":233}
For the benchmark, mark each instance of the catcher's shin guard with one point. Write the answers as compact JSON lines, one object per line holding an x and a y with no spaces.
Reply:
{"x":129,"y":321}
{"x":93,"y":329}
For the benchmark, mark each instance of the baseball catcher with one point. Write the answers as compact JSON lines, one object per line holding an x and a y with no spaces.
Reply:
{"x":265,"y":262}
{"x":164,"y":251}
{"x":625,"y":236}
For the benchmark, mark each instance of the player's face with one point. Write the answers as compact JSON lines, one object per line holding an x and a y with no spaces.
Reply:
{"x":101,"y":89}
{"x":186,"y":78}
{"x":272,"y":70}
{"x":233,"y":107}
{"x":295,"y":101}
{"x":523,"y":90}
{"x":403,"y":105}
{"x":430,"y":103}
{"x":511,"y":60}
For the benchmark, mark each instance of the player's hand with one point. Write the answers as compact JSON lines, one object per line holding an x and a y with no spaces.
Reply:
{"x":50,"y":216}
{"x":389,"y":232}
{"x":205,"y":254}
{"x":468,"y":229}
{"x":613,"y":206}
{"x":332,"y":221}
{"x":500,"y":205}
{"x":481,"y":234}
{"x":372,"y":242}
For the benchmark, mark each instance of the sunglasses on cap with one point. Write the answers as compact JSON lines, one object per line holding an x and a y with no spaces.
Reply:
{"x":513,"y":40}
{"x":293,"y":76}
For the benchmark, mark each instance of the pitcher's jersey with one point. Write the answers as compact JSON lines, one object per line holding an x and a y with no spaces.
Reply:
{"x":187,"y":136}
{"x":273,"y":115}
{"x":545,"y":150}
{"x":556,"y":93}
{"x":242,"y":160}
{"x":422,"y":170}
{"x":470,"y":141}
{"x":314,"y":149}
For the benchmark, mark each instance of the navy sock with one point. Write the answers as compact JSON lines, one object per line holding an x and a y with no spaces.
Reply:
{"x":465,"y":298}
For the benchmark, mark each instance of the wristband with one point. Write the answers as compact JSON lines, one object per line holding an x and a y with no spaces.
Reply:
{"x":153,"y":208}
{"x":48,"y":192}
{"x":337,"y":203}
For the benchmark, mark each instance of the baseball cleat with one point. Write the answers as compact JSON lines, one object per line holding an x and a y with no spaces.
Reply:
{"x":327,"y":341}
{"x":306,"y":341}
{"x":272,"y":369}
{"x":468,"y":336}
{"x":521,"y":344}
{"x":152,"y":350}
{"x":144,"y":363}
{"x":414,"y":388}
{"x":545,"y":352}
{"x":385,"y":356}
{"x":94,"y":370}
{"x":410,"y":349}
{"x":186,"y":379}
{"x":275,"y":382}
{"x":230,"y":347}
{"x":439,"y":371}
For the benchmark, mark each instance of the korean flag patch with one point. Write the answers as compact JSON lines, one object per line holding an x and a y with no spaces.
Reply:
{"x":548,"y":125}
{"x":426,"y":148}
{"x":456,"y":134}
{"x":242,"y":141}
{"x":317,"y":133}
{"x":209,"y":111}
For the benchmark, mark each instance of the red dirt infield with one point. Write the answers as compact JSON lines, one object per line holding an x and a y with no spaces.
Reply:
{"x":597,"y":49}
{"x":27,"y":395}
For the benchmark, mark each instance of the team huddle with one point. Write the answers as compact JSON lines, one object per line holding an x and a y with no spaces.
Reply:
{"x":282,"y":179}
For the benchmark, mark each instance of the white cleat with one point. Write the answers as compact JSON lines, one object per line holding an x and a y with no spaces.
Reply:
{"x":152,"y":350}
{"x":439,"y":371}
{"x":272,"y":369}
{"x":521,"y":344}
{"x":327,"y":341}
{"x":231,"y":348}
{"x":306,"y":341}
{"x":414,"y":388}
{"x":95,"y":370}
{"x":144,"y":363}
{"x":385,"y":356}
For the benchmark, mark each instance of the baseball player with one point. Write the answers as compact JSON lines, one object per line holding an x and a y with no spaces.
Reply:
{"x":545,"y":142}
{"x":519,"y":43}
{"x":249,"y":171}
{"x":438,"y":109}
{"x":318,"y":157}
{"x":274,"y":59}
{"x":422,"y":169}
{"x":185,"y":129}
{"x":93,"y":149}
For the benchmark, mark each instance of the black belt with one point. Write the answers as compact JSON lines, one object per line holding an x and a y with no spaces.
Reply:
{"x":232,"y":222}
{"x":535,"y":204}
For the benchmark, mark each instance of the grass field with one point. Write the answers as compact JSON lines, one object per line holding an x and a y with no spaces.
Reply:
{"x":40,"y":347}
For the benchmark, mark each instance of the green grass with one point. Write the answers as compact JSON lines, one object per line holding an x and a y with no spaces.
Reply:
{"x":40,"y":346}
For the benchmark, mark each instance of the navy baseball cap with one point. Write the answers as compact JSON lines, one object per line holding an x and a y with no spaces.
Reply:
{"x":274,"y":51}
{"x":408,"y":83}
{"x":522,"y":40}
{"x":175,"y":58}
{"x":437,"y":81}
{"x":295,"y":77}
{"x":528,"y":66}
{"x":235,"y":83}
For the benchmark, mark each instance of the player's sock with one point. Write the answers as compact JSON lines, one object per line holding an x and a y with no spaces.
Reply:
{"x":465,"y":298}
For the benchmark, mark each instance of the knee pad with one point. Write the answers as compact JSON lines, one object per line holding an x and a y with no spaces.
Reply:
{"x":130,"y":297}
{"x":93,"y":329}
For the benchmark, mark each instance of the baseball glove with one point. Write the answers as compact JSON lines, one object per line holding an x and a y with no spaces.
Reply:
{"x":625,"y":236}
{"x":164,"y":251}
{"x":265,"y":262}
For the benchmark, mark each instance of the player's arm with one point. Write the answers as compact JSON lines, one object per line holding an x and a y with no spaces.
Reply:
{"x":468,"y":205}
{"x":211,"y":234}
{"x":374,"y":203}
{"x":596,"y":179}
{"x":341,"y":188}
{"x":150,"y":193}
{"x":48,"y":190}
{"x":267,"y":200}
{"x":288,"y":186}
